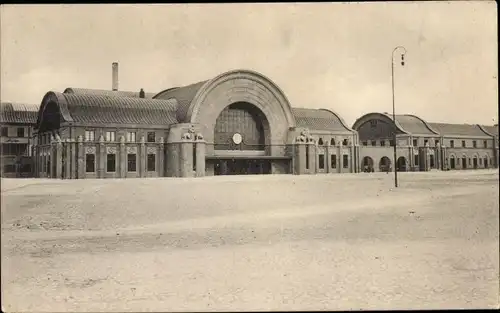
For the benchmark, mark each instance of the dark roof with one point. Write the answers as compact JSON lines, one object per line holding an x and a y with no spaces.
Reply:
{"x":183,"y":95}
{"x":101,"y":92}
{"x":457,"y":129}
{"x":18,"y":113}
{"x":491,"y":129}
{"x":413,"y":124}
{"x":98,"y":109}
{"x":318,"y":119}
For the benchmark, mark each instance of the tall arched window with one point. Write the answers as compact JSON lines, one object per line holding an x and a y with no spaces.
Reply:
{"x":332,"y":142}
{"x":320,"y":141}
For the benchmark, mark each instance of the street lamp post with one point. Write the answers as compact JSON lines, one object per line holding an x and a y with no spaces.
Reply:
{"x":394,"y":110}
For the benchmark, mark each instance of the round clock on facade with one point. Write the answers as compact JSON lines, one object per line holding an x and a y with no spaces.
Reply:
{"x":237,"y":138}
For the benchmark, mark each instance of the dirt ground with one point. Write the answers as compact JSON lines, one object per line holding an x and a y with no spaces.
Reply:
{"x":322,"y":242}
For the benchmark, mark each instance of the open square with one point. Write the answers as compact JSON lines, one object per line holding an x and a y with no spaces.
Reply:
{"x":268,"y":242}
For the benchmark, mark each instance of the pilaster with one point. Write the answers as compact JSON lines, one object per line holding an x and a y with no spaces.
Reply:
{"x":122,"y":158}
{"x":81,"y":159}
{"x":200,"y":155}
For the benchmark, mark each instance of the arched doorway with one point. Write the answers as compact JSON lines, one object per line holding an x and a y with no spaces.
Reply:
{"x":367,"y":164}
{"x":241,"y":127}
{"x":401,"y":164}
{"x":474,"y":162}
{"x":245,"y":121}
{"x":464,"y":162}
{"x":452,"y":162}
{"x":385,"y":164}
{"x":486,"y":162}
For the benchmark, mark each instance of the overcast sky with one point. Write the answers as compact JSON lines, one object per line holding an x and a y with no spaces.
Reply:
{"x":335,"y":56}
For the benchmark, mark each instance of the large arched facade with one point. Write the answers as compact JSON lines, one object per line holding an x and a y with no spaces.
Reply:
{"x":239,"y":122}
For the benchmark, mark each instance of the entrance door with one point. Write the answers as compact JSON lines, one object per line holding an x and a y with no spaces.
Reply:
{"x":464,"y":163}
{"x":242,"y":167}
{"x":475,"y":162}
{"x":485,"y":162}
{"x":452,"y":163}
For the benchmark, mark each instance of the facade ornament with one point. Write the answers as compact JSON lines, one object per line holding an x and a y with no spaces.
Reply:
{"x":80,"y":139}
{"x":90,"y":150}
{"x":122,"y":139}
{"x":111,"y":150}
{"x":186,"y":136}
{"x":151,"y":150}
{"x":101,"y":139}
{"x":142,"y":139}
{"x":162,"y":140}
{"x":199,"y":136}
{"x":300,"y":139}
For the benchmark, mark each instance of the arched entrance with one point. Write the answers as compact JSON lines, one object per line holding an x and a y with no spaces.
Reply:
{"x":452,"y":162}
{"x":486,"y":162}
{"x":367,"y":164}
{"x":241,"y":131}
{"x":464,"y":162}
{"x":245,"y":121}
{"x":401,"y":164}
{"x":385,"y":164}
{"x":474,"y":162}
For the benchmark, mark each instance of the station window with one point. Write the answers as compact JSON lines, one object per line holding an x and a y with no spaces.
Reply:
{"x":474,"y":144}
{"x":374,"y":143}
{"x":90,"y":163}
{"x":89,"y":135}
{"x":151,"y":162}
{"x":345,"y":161}
{"x":131,"y":162}
{"x":382,"y":143}
{"x":110,"y":136}
{"x":321,"y":159}
{"x":463,"y":143}
{"x":111,"y":163}
{"x":333,"y":161}
{"x":415,"y":142}
{"x":20,"y":132}
{"x":131,"y":136}
{"x":320,"y":141}
{"x":452,"y":144}
{"x":5,"y":132}
{"x":151,"y":137}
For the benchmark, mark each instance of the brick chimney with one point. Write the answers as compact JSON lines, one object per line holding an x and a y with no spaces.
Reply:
{"x":114,"y":82}
{"x":142,"y":94}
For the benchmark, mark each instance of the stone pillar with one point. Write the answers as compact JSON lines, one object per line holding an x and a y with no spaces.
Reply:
{"x":80,"y":167}
{"x":299,"y":157}
{"x":142,"y":158}
{"x":59,"y":160}
{"x":35,"y":161}
{"x":438,"y":163}
{"x":358,"y":161}
{"x":161,"y":158}
{"x":327,"y":157}
{"x":101,"y":158}
{"x":123,"y":159}
{"x":200,"y":155}
{"x":424,"y":158}
{"x":53,"y":152}
{"x":186,"y":158}
{"x":74,"y":159}
{"x":68,"y":160}
{"x":444,"y":158}
{"x":313,"y":155}
{"x":340,"y":157}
